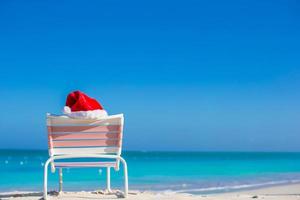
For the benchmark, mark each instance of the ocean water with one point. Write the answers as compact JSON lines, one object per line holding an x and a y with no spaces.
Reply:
{"x":192,"y":172}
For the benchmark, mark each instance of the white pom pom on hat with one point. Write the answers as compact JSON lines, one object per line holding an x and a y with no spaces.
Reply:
{"x":67,"y":110}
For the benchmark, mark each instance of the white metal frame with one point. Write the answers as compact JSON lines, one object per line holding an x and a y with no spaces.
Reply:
{"x":70,"y":156}
{"x":51,"y":159}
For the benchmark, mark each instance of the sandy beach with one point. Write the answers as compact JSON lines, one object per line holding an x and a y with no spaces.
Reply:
{"x":285,"y":192}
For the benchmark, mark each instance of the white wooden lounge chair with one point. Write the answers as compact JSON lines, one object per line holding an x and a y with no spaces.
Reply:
{"x":80,"y":138}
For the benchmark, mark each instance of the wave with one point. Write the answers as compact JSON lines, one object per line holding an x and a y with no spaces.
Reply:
{"x":236,"y":187}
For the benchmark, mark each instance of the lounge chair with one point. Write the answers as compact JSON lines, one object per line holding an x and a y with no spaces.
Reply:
{"x":80,"y":138}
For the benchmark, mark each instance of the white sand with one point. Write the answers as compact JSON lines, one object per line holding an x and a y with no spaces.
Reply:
{"x":286,"y":192}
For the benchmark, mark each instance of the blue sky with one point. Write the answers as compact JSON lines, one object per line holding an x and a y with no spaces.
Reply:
{"x":189,"y":75}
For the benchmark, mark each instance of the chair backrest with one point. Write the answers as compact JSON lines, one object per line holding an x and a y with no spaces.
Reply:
{"x":67,"y":136}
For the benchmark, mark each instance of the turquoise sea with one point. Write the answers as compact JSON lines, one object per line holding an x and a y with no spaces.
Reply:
{"x":193,"y":172}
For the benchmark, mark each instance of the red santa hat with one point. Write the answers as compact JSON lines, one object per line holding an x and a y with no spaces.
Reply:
{"x":79,"y":105}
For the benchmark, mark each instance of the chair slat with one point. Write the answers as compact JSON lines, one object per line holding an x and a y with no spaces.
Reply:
{"x":84,"y":143}
{"x":85,"y":164}
{"x":63,"y":120}
{"x":86,"y":150}
{"x":82,"y":136}
{"x":83,"y":129}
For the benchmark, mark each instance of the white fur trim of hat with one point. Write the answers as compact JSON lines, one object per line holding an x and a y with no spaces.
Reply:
{"x":90,"y":114}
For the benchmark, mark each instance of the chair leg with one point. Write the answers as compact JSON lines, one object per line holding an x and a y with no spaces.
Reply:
{"x":46,"y":178}
{"x":60,"y":180}
{"x":108,"y":180}
{"x":125,"y":177}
